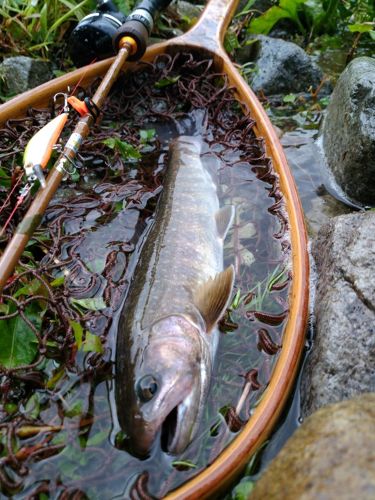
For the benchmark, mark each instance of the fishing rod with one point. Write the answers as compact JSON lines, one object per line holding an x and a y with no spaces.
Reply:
{"x":128,"y":37}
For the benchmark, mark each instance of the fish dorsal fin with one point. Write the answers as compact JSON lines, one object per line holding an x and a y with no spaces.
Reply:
{"x":224,"y":219}
{"x":212,"y":297}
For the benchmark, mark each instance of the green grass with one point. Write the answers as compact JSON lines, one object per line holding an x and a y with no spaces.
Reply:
{"x":32,"y":27}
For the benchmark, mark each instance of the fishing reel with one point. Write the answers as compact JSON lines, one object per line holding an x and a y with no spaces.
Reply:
{"x":97,"y":36}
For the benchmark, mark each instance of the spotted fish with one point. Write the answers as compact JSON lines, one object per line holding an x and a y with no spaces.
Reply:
{"x":168,"y":335}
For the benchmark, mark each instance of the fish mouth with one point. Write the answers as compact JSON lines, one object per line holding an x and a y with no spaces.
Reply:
{"x":168,"y":430}
{"x":175,"y":430}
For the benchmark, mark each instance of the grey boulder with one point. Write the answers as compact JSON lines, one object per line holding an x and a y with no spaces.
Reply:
{"x":348,"y":132}
{"x":22,"y":73}
{"x":342,"y":362}
{"x":331,"y":456}
{"x":280,"y":67}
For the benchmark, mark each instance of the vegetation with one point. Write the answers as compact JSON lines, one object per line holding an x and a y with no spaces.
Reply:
{"x":33,"y":27}
{"x":316,"y":17}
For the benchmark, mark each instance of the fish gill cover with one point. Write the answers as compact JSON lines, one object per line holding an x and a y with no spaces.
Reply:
{"x":59,"y":313}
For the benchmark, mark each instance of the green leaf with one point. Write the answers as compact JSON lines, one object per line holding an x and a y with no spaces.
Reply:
{"x":324,"y":101}
{"x":64,"y":18}
{"x":147,"y":135}
{"x":75,"y":176}
{"x":4,"y":309}
{"x":58,"y":281}
{"x":236,"y":300}
{"x":287,"y":9}
{"x":5,"y":179}
{"x":127,"y":151}
{"x":164,"y":82}
{"x":32,"y":408}
{"x":246,"y":9}
{"x":184,"y":464}
{"x":17,"y":340}
{"x":289,"y":98}
{"x":75,"y":410}
{"x":78,"y":332}
{"x":97,"y":438}
{"x":361,"y":27}
{"x":86,"y":341}
{"x":10,"y":408}
{"x":92,"y":343}
{"x":242,"y":490}
{"x":93,"y":304}
{"x":231,"y":42}
{"x":125,"y":6}
{"x":30,"y":289}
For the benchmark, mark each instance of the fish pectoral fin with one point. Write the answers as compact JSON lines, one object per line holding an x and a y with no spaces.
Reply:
{"x":224,"y":219}
{"x":213,"y":296}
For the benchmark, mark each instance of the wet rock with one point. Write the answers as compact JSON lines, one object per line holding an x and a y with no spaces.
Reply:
{"x":22,"y":73}
{"x":322,"y":208}
{"x":348,"y":133}
{"x":330,"y":456}
{"x":281,"y":67}
{"x":342,"y":361}
{"x":186,"y":9}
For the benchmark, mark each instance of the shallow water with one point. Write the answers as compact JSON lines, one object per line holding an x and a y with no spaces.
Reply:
{"x":307,"y":164}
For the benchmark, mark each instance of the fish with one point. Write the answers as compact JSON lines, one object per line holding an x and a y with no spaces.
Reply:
{"x":168,"y":327}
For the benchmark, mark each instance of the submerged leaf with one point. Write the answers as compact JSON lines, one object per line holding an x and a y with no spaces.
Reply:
{"x":147,"y":135}
{"x":32,"y":408}
{"x":86,"y":341}
{"x":17,"y":339}
{"x":58,"y":281}
{"x":127,"y":151}
{"x":183,"y":464}
{"x":164,"y":82}
{"x":92,"y":343}
{"x":289,"y":98}
{"x":97,"y":438}
{"x":78,"y":332}
{"x":93,"y":304}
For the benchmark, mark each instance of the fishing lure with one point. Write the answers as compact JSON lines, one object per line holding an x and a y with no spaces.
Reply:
{"x":39,"y":149}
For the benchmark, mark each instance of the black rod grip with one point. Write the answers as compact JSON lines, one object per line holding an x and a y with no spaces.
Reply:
{"x":138,"y":25}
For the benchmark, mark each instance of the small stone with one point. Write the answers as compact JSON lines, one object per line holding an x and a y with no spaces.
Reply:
{"x":331,"y":456}
{"x":22,"y":73}
{"x":348,"y":131}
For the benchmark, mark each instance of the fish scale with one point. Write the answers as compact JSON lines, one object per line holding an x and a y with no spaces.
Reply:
{"x":192,"y":256}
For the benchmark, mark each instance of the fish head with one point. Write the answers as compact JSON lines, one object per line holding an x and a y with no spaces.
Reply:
{"x":165,"y":395}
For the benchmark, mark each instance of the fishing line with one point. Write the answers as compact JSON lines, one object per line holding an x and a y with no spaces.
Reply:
{"x":82,"y":77}
{"x":20,"y":200}
{"x":10,"y":194}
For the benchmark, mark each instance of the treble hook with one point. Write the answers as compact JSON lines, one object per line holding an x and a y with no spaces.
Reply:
{"x":65,"y":97}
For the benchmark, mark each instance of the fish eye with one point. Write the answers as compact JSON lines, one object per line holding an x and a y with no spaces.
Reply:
{"x":147,"y":387}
